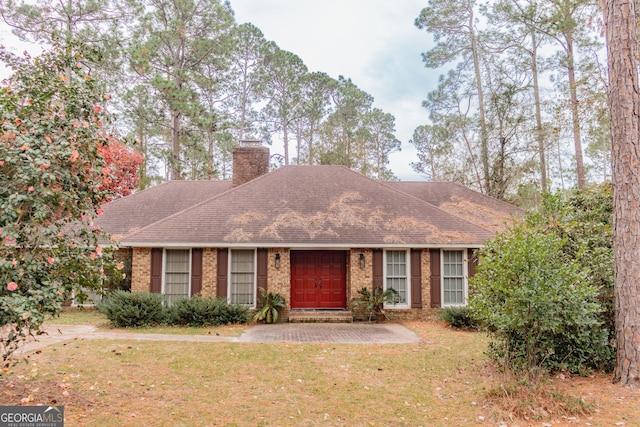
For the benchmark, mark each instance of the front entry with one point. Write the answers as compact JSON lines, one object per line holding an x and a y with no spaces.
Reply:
{"x":318,"y":279}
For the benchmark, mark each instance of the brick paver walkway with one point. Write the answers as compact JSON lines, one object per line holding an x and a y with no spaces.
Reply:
{"x":354,"y":333}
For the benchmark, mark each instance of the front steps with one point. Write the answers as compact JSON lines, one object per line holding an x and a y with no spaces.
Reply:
{"x":320,"y":316}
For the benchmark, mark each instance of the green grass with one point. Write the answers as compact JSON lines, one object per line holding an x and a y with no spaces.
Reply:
{"x":225,"y":330}
{"x":444,"y":380}
{"x":78,"y":316}
{"x":131,"y":383}
{"x":90,"y":316}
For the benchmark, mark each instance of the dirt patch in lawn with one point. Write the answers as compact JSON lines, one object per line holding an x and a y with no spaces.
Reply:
{"x":444,"y":380}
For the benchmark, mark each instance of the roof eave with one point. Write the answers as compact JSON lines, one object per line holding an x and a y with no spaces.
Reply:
{"x":326,"y":246}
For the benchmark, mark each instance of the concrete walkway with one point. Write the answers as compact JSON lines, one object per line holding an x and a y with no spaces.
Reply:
{"x":353,"y":333}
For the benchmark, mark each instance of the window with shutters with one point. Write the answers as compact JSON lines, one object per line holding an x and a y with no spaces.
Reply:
{"x":396,"y":275}
{"x":454,"y":282}
{"x":176,"y":274}
{"x":242,"y":277}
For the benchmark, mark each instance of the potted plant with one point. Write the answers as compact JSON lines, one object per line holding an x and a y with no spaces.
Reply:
{"x":373,"y":302}
{"x":271,"y":304}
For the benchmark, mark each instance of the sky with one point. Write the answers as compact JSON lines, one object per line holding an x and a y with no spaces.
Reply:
{"x":373,"y":42}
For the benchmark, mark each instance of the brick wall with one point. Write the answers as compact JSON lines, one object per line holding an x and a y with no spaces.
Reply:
{"x":426,"y":279}
{"x":209,"y":272}
{"x":279,"y":279}
{"x":249,"y":163}
{"x":141,"y":270}
{"x":358,"y":278}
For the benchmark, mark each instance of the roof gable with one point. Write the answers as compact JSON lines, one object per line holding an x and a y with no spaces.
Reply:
{"x":311,"y":205}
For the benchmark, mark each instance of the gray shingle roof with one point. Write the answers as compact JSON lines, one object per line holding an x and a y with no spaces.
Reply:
{"x":456,"y":199}
{"x":128,"y":214}
{"x":321,"y":206}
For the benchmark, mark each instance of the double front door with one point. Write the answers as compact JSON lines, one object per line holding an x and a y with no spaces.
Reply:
{"x":318,"y":279}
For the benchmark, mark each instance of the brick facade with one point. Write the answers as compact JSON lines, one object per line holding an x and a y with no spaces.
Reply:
{"x":279,"y":278}
{"x":209,"y":272}
{"x":141,"y":270}
{"x":249,"y":162}
{"x":357,"y":277}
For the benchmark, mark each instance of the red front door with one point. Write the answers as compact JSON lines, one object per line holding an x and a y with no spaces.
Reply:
{"x":318,"y":279}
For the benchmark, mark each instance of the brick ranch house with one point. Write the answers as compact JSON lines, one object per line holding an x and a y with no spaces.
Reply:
{"x":314,"y":234}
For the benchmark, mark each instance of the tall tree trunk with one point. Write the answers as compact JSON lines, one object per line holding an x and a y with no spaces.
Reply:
{"x":285,"y":140}
{"x":210,"y":155}
{"x":175,"y":145}
{"x":310,"y":144}
{"x":624,"y":99}
{"x":536,"y":95}
{"x":142,"y":169}
{"x":484,"y":136}
{"x":299,"y":146}
{"x":573,"y":101}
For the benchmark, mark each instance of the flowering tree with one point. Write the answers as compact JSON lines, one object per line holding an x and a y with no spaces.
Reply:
{"x":51,"y":130}
{"x":123,"y":163}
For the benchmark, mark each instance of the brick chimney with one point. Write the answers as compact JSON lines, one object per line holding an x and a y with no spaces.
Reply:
{"x":250,"y":160}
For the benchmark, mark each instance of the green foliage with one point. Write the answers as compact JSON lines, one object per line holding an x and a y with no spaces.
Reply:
{"x":584,"y":219}
{"x":459,"y":317}
{"x":138,"y":309}
{"x":52,"y":123}
{"x":372,"y":303}
{"x":199,"y":311}
{"x":271,"y":304}
{"x":133,"y":310}
{"x":538,"y":305}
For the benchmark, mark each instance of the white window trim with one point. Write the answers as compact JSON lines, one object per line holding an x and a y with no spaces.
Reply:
{"x":164,"y":268}
{"x":465,"y":274}
{"x":401,"y":306}
{"x":255,"y":274}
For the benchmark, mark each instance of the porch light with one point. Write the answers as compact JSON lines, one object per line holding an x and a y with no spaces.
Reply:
{"x":277,"y":262}
{"x":362,"y":261}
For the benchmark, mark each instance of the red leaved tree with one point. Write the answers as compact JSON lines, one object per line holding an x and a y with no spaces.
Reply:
{"x":120,"y":176}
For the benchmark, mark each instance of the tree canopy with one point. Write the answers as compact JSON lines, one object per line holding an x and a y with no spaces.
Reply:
{"x":53,"y":127}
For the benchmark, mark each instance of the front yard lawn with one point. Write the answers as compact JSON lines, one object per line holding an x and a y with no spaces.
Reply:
{"x":91,"y":316}
{"x":442,"y":381}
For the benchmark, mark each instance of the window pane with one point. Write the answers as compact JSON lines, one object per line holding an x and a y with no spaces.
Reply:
{"x":176,"y":276}
{"x":242,"y":277}
{"x":453,"y":277}
{"x":399,"y":285}
{"x":397,"y":274}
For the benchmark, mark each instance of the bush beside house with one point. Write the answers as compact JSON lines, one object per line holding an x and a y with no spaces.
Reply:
{"x":140,"y":309}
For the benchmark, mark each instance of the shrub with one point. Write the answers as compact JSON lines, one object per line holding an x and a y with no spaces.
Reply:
{"x":459,"y":317}
{"x":234,"y":314}
{"x":271,"y":305}
{"x":541,"y":312}
{"x":131,"y":310}
{"x":372,"y":303}
{"x":198,"y":312}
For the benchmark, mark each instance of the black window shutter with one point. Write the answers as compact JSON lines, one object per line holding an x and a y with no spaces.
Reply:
{"x":196,"y":271}
{"x":416,"y":278}
{"x":156,"y":271}
{"x":223,"y":267}
{"x":261,"y":272}
{"x":472,"y":262}
{"x":378,"y":270}
{"x":435,"y":278}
